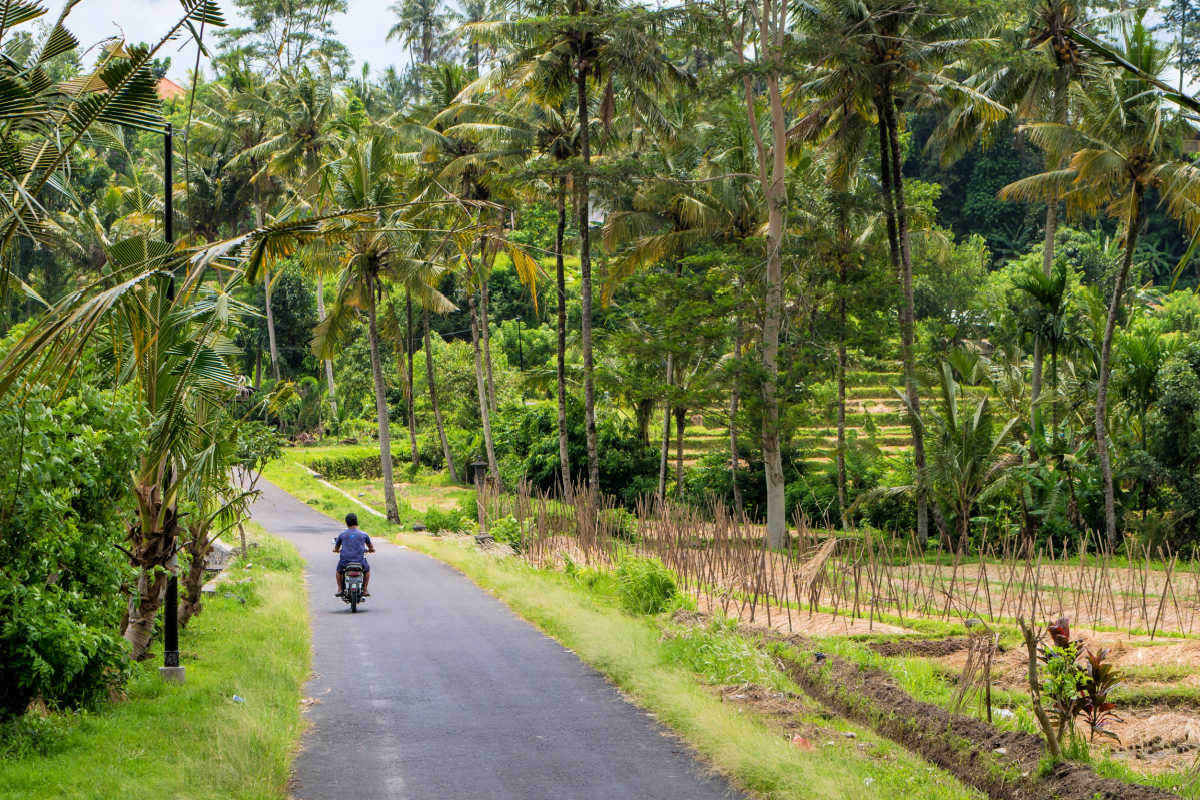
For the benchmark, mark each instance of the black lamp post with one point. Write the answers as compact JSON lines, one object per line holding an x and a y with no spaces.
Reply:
{"x":170,"y":670}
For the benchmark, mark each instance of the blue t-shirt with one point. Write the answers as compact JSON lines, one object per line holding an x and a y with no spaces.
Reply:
{"x":353,"y":546}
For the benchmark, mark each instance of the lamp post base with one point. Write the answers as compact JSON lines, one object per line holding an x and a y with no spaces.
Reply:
{"x":172,"y":674}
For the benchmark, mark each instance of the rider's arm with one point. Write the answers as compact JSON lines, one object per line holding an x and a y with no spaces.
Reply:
{"x":337,"y":543}
{"x":370,"y":545}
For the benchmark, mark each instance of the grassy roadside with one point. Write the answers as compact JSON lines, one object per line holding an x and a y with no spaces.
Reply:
{"x":647,"y":659}
{"x":190,"y":742}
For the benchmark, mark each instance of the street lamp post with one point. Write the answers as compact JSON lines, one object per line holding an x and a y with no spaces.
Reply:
{"x":170,"y":671}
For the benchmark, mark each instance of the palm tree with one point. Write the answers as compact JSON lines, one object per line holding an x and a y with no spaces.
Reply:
{"x":542,"y":138}
{"x":364,"y":178}
{"x":421,"y":27}
{"x":167,"y":349}
{"x":670,"y":218}
{"x":1035,"y":85}
{"x":560,"y":45}
{"x":301,"y":134}
{"x":459,"y":165}
{"x":1046,"y":318}
{"x":969,"y":453}
{"x":868,"y":57}
{"x":1120,"y":149}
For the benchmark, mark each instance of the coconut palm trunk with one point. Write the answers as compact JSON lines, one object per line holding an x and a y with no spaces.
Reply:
{"x":270,"y":323}
{"x":893,"y":181}
{"x":485,"y":335}
{"x":485,"y":415}
{"x":431,"y":379}
{"x":1110,"y":325}
{"x":772,"y":169}
{"x":841,"y":400}
{"x":198,"y":546}
{"x":666,"y":433}
{"x":328,"y":364}
{"x":409,"y":347}
{"x":564,"y":461}
{"x":151,"y":543}
{"x":1062,"y":76}
{"x":381,"y":409}
{"x":734,"y":399}
{"x":585,"y":278}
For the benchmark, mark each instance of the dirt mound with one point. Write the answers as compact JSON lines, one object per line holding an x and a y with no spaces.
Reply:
{"x":966,"y":747}
{"x":924,"y":648}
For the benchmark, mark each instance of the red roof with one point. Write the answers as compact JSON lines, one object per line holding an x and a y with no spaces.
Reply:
{"x":169,"y":89}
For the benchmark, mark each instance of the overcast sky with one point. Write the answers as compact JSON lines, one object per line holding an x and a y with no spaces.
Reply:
{"x":362,"y":30}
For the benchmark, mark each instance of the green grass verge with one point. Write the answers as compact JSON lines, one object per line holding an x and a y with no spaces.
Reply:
{"x":189,"y":742}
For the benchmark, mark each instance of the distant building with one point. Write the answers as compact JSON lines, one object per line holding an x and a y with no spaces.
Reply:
{"x":169,"y":90}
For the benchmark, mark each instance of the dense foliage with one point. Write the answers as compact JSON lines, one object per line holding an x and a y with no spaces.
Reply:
{"x":62,"y":516}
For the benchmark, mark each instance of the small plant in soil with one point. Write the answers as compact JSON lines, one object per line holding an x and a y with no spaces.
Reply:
{"x":1098,"y":711}
{"x":1076,"y":688}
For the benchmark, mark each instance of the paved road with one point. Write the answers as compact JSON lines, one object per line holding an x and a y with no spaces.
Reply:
{"x":434,"y":690}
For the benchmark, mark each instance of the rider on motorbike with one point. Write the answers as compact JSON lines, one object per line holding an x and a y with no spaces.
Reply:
{"x":352,"y":545}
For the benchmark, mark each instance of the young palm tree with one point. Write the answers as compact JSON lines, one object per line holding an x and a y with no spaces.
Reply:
{"x":969,"y":451}
{"x":1120,"y":150}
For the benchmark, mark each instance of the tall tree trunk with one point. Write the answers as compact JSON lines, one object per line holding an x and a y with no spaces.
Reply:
{"x":381,"y":409}
{"x":409,"y":347}
{"x":431,"y":379}
{"x":643,"y":410}
{"x":680,"y":420}
{"x":772,"y":320}
{"x":485,"y":415}
{"x":666,"y":432}
{"x":1062,"y":75}
{"x":585,"y":275}
{"x":734,"y":399}
{"x":896,"y":185}
{"x":772,"y":18}
{"x":485,"y":331}
{"x":1110,"y":325}
{"x":564,"y":461}
{"x":841,"y":392}
{"x":270,"y":322}
{"x":328,"y":364}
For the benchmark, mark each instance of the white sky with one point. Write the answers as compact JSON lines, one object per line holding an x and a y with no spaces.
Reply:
{"x":363,"y":29}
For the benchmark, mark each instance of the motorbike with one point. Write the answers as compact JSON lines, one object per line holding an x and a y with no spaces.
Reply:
{"x":352,"y":585}
{"x":352,"y":582}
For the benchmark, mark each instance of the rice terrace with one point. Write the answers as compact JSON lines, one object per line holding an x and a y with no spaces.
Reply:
{"x":600,"y":399}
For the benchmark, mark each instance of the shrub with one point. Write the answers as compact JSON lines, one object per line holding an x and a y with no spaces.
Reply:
{"x":645,"y":586}
{"x":507,"y":530}
{"x":438,"y":521}
{"x":67,"y":467}
{"x":347,"y":467}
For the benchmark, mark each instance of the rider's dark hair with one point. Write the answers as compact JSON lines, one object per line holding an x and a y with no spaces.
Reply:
{"x":351,"y":519}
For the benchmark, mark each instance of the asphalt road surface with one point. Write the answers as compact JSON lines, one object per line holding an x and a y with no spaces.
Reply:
{"x":435,"y":690}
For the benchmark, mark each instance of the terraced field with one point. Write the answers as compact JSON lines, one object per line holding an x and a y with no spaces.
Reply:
{"x":872,"y":410}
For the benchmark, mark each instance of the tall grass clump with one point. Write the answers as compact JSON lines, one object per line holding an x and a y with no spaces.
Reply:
{"x":645,"y":586}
